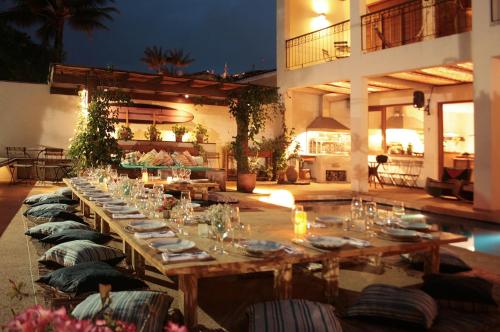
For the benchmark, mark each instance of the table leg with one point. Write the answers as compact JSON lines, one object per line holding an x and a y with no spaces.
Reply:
{"x":104,"y":226}
{"x":283,"y":282}
{"x":86,"y":210}
{"x":98,"y":223}
{"x":138,"y":264}
{"x":188,"y":288}
{"x":204,"y":194}
{"x":431,"y":260}
{"x":127,"y":250}
{"x":330,"y":273}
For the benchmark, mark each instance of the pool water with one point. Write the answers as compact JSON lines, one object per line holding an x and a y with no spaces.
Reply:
{"x":481,"y":237}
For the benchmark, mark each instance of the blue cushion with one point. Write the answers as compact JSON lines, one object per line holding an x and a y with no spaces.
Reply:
{"x":39,"y":197}
{"x":36,"y":211}
{"x":411,"y":306}
{"x":64,"y":192}
{"x":43,"y":230}
{"x":56,"y":200}
{"x":80,"y":251}
{"x":146,"y":309}
{"x":292,"y":315}
{"x":76,"y":234}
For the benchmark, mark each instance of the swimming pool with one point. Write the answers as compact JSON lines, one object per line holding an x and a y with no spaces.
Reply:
{"x":481,"y":236}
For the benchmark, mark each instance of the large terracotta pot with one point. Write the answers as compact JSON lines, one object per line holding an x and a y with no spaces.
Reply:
{"x":200,"y":138}
{"x":281,"y":177}
{"x":246,"y":182}
{"x":291,"y":174}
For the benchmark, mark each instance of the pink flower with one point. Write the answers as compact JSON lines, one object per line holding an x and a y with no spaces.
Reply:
{"x":172,"y":327}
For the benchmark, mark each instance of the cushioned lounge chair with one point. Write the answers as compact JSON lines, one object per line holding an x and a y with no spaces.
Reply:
{"x":453,"y":182}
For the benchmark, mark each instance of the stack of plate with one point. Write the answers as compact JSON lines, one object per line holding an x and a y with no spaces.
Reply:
{"x":172,"y":245}
{"x":262,"y":247}
{"x":398,"y":234}
{"x":330,"y":220}
{"x":145,"y":226}
{"x":326,"y":242}
{"x":122,"y":209}
{"x":417,"y":226}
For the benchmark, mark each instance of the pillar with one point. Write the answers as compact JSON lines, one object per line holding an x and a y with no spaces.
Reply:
{"x":359,"y":134}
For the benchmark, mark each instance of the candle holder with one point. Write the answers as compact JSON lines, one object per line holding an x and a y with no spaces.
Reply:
{"x":299,"y":220}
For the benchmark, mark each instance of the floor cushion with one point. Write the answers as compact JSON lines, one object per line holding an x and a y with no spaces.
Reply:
{"x":80,"y":251}
{"x":38,"y":197}
{"x":76,"y":234}
{"x":395,"y":304}
{"x":448,"y":262}
{"x":86,"y":277}
{"x":56,"y":200}
{"x":292,"y":315}
{"x":65,"y":192}
{"x":54,"y":216}
{"x":43,"y":230}
{"x":148,"y":310}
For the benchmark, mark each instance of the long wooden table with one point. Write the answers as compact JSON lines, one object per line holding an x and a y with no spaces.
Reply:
{"x":266,"y":226}
{"x":195,"y":188}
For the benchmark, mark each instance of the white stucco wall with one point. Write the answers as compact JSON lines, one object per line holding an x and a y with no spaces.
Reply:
{"x":31,"y":116}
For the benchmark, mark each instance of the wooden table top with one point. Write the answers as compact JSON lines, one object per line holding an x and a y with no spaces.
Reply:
{"x":264,"y":225}
{"x":196,"y":184}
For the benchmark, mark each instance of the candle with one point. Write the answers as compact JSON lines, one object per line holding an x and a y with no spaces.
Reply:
{"x":299,"y":221}
{"x":145,"y":175}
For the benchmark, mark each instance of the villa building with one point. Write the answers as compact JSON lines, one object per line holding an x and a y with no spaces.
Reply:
{"x":360,"y":62}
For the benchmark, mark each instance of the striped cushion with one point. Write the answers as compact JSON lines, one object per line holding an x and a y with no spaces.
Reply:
{"x":411,"y":306}
{"x":41,"y":209}
{"x":38,"y":198}
{"x":56,"y":200}
{"x":146,"y":309}
{"x":43,"y":230}
{"x":80,"y":251}
{"x":292,"y":315}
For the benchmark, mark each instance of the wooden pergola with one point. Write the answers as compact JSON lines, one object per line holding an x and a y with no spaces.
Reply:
{"x":69,"y":79}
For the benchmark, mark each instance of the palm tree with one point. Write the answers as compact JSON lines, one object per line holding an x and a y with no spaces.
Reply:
{"x":50,"y":16}
{"x":155,"y":58}
{"x":179,"y":60}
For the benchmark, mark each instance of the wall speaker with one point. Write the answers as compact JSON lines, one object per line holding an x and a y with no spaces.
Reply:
{"x":418,"y":99}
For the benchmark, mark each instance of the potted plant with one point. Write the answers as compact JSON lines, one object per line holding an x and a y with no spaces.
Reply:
{"x":125,"y":133}
{"x":179,"y":131}
{"x":201,"y":133}
{"x":93,"y":144}
{"x":153,"y":134}
{"x":250,"y":107}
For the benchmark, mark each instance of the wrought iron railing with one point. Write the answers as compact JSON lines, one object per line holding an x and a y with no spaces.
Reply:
{"x":319,"y":46}
{"x":414,"y":21}
{"x":495,"y":11}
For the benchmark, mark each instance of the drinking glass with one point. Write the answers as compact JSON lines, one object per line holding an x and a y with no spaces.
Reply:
{"x":371,"y":215}
{"x":398,"y":209}
{"x":235,"y":224}
{"x":185,"y":197}
{"x":221,"y":227}
{"x":357,"y":215}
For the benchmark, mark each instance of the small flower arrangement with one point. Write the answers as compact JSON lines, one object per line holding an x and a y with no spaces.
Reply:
{"x":125,"y":133}
{"x":153,"y":134}
{"x":179,"y":131}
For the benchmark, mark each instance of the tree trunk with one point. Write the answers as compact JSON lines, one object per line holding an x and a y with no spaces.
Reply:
{"x":58,"y":41}
{"x":241,"y":146}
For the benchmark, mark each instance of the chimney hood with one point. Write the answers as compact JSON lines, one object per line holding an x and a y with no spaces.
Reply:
{"x":322,"y":123}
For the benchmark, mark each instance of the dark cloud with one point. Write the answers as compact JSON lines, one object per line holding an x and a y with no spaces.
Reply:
{"x":239,"y":32}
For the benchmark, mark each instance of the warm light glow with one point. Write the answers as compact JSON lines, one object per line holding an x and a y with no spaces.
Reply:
{"x":168,"y":135}
{"x":84,"y":102}
{"x":300,"y":225}
{"x":321,"y":6}
{"x":405,"y":137}
{"x":320,"y":22}
{"x":279,"y":197}
{"x":375,"y":140}
{"x":145,"y":175}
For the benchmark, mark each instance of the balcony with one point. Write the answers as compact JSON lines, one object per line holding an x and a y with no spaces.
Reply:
{"x":319,"y":46}
{"x":413,"y":22}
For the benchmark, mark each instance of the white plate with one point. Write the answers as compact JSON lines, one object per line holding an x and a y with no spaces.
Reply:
{"x":400,"y":233}
{"x":333,"y":220}
{"x":260,"y":247}
{"x":121,"y":209}
{"x":326,"y":242}
{"x":172,"y":245}
{"x":414,"y":225}
{"x":94,"y":197}
{"x":113,"y":202}
{"x":146,"y":225}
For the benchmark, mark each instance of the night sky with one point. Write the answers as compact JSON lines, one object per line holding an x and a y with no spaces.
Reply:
{"x":239,"y":32}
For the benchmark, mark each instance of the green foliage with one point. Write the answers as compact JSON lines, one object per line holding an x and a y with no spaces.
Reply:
{"x":125,"y":133}
{"x":179,"y":130}
{"x":153,"y":134}
{"x":93,"y":144}
{"x":281,"y":149}
{"x":20,"y":58}
{"x":251,"y":107}
{"x":201,"y":131}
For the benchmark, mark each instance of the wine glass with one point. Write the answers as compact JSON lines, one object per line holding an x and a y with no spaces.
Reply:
{"x":185,"y":197}
{"x":398,"y":209}
{"x":221,"y":227}
{"x":235,"y":224}
{"x":371,"y":214}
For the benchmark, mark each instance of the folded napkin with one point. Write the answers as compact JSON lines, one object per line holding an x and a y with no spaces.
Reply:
{"x":357,"y":242}
{"x":184,"y":257}
{"x":128,"y":216}
{"x":150,"y":235}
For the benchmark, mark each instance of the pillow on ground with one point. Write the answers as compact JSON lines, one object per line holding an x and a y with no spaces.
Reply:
{"x":64,"y":192}
{"x":40,"y":209}
{"x":80,"y":251}
{"x":448,"y":263}
{"x":292,"y":315}
{"x":43,"y":230}
{"x":76,"y":234}
{"x":465,"y":293}
{"x":410,"y":306}
{"x":146,"y":309}
{"x":55,"y":216}
{"x":37,"y":198}
{"x":57,"y":200}
{"x":86,"y":277}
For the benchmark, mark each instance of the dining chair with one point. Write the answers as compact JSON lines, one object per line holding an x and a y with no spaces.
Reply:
{"x":21,"y":163}
{"x":50,"y":160}
{"x":373,"y":175}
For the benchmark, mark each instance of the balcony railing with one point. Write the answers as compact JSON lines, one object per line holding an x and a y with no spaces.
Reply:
{"x":412,"y":22}
{"x":495,"y":11}
{"x":319,"y":46}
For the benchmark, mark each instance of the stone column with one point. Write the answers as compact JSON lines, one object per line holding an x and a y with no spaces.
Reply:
{"x":359,"y":134}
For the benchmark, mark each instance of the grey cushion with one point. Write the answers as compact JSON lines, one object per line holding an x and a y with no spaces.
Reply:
{"x":80,"y":251}
{"x":76,"y":234}
{"x":54,"y":216}
{"x":146,"y":309}
{"x":39,"y":197}
{"x":410,"y":306}
{"x":56,"y":200}
{"x":36,"y":211}
{"x":292,"y":315}
{"x":86,"y":277}
{"x":43,"y":230}
{"x":64,"y":192}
